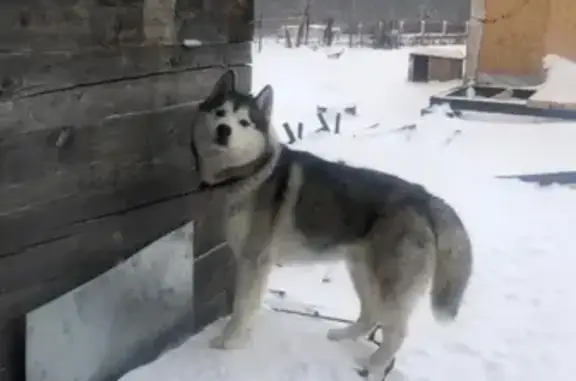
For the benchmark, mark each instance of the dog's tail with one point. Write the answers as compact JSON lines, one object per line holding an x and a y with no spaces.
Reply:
{"x":453,"y":261}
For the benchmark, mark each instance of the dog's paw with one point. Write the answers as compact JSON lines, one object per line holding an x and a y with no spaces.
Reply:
{"x":218,"y":342}
{"x":368,"y":376}
{"x":229,"y":342}
{"x":362,"y":372}
{"x":370,"y":373}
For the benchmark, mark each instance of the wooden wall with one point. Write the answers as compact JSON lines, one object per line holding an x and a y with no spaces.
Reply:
{"x":561,"y":33}
{"x":512,"y":38}
{"x":518,"y":34}
{"x":96,"y":103}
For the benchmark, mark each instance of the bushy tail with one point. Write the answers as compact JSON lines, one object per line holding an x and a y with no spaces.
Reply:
{"x":453,"y":261}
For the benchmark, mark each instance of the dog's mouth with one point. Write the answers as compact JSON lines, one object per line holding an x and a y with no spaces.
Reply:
{"x":205,"y":185}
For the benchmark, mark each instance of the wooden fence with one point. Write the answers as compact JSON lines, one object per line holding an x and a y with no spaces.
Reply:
{"x":395,"y":32}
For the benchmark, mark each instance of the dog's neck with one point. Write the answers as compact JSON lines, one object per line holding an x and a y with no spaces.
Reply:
{"x":236,"y":174}
{"x":242,"y":181}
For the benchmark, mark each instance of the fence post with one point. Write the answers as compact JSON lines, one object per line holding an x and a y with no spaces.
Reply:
{"x":260,"y":26}
{"x":287,"y":37}
{"x":289,"y":133}
{"x":444,"y":27}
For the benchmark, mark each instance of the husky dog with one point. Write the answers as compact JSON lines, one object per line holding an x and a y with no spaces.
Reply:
{"x":285,"y":206}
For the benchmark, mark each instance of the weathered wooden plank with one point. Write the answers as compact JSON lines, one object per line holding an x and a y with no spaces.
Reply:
{"x":31,"y":164}
{"x":240,"y":20}
{"x":214,"y":272}
{"x":57,"y":248}
{"x":84,"y":105}
{"x":111,"y":155}
{"x":120,"y":163}
{"x":34,"y":24}
{"x":40,"y":273}
{"x":38,"y":72}
{"x":210,"y":311}
{"x":13,"y":349}
{"x":49,"y":221}
{"x":209,"y":230}
{"x":71,"y":24}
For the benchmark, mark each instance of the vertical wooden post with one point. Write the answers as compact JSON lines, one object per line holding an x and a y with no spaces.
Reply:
{"x":307,"y":26}
{"x":159,"y":23}
{"x":13,"y":349}
{"x":260,"y":31}
{"x":240,"y":20}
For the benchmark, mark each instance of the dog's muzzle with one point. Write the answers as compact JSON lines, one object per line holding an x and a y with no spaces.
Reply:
{"x":223,"y":132}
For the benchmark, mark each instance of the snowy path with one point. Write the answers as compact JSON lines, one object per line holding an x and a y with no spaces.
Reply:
{"x":517,"y":323}
{"x":273,"y":355}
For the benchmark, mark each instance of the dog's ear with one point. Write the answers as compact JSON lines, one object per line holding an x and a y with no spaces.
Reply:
{"x":265,"y":101}
{"x":225,"y":85}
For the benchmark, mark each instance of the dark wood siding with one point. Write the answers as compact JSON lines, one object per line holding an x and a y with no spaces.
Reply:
{"x":96,"y":103}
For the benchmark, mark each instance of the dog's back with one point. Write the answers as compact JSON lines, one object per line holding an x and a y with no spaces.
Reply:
{"x":338,"y":204}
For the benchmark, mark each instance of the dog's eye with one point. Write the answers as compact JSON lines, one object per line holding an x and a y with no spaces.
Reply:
{"x":220,"y":113}
{"x":244,"y":123}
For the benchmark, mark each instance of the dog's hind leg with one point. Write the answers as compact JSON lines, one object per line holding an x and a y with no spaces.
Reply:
{"x":367,"y":294}
{"x":381,"y":362}
{"x":251,"y":280}
{"x":403,"y":247}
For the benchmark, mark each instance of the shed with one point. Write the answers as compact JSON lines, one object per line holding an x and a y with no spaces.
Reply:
{"x":96,"y":103}
{"x":508,"y":40}
{"x":510,"y":49}
{"x":435,"y":64}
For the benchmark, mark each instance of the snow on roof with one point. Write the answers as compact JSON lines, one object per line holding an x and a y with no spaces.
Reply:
{"x":452,"y":51}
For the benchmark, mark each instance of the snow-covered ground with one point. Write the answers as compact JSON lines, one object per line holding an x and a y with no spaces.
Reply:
{"x":517,"y":323}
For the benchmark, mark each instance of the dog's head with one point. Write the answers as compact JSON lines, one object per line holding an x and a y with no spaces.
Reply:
{"x":232,"y":133}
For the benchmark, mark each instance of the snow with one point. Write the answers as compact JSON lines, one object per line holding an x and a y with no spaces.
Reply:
{"x":517,"y":322}
{"x":450,"y":51}
{"x":560,"y":82}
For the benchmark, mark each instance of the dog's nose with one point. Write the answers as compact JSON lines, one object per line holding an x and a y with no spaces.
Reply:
{"x":223,"y":132}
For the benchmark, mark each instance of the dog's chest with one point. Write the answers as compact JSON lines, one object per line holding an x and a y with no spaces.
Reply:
{"x":291,"y":246}
{"x":249,"y":228}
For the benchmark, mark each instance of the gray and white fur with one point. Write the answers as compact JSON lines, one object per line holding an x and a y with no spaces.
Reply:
{"x":286,"y":206}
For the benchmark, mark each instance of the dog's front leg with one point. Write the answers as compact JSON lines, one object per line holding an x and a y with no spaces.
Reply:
{"x":251,"y":279}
